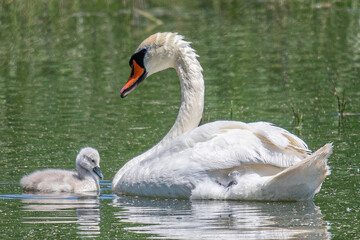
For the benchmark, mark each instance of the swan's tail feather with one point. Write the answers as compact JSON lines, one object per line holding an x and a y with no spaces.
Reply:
{"x":303,"y":180}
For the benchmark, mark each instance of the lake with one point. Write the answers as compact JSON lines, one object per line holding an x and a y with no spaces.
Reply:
{"x":62,"y":66}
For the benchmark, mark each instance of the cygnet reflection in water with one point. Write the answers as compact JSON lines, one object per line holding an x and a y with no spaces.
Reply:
{"x":67,"y":209}
{"x":58,"y":180}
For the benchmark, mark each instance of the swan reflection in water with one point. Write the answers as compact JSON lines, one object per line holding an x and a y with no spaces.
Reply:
{"x":82,"y":209}
{"x":183,"y":219}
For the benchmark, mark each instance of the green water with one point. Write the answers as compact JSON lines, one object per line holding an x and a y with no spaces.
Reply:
{"x":63,"y":63}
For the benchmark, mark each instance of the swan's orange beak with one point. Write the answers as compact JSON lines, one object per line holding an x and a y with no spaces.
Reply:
{"x":136,"y":76}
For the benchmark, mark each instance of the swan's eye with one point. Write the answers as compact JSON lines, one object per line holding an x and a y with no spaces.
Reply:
{"x":138,"y":57}
{"x":90,"y":159}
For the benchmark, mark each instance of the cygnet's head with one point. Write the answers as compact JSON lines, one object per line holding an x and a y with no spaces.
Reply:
{"x":89,"y":159}
{"x":156,"y":53}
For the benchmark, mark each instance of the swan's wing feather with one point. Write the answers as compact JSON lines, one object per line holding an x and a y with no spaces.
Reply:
{"x":280,"y":137}
{"x":227,"y":144}
{"x":215,"y":149}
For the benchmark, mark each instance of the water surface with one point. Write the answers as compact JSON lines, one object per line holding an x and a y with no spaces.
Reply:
{"x":63,"y":63}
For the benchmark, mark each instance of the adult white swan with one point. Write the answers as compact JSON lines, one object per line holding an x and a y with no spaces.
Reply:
{"x":218,"y":160}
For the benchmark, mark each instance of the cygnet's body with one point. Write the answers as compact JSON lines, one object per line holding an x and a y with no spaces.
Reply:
{"x":58,"y":180}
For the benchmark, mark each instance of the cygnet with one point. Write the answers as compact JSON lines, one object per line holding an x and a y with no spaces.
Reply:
{"x":58,"y":180}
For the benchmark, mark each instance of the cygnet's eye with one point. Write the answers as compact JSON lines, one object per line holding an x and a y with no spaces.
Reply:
{"x":90,"y":159}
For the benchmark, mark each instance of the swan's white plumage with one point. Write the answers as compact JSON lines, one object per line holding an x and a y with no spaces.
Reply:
{"x":222,"y":159}
{"x":58,"y":180}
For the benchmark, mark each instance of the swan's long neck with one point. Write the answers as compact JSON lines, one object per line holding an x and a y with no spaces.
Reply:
{"x":192,"y":95}
{"x":192,"y":100}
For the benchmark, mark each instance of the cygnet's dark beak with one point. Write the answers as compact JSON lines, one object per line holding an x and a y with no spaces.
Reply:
{"x":98,"y":172}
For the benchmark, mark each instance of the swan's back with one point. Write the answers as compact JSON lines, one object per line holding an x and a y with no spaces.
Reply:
{"x":51,"y":180}
{"x":58,"y":180}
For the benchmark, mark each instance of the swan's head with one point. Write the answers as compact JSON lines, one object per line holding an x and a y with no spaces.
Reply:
{"x":89,"y":159}
{"x":156,"y":53}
